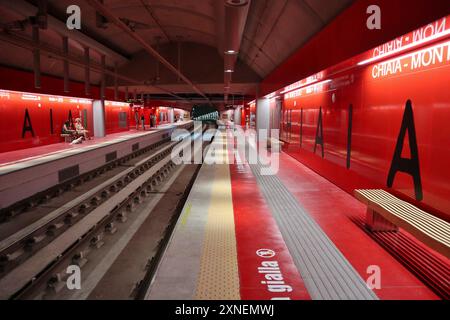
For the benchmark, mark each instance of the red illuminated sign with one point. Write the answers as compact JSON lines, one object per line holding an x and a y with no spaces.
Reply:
{"x":314,"y":88}
{"x":25,"y":96}
{"x":304,"y":82}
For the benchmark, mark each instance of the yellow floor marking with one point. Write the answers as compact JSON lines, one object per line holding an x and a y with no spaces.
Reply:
{"x":219,"y":277}
{"x":186,"y":214}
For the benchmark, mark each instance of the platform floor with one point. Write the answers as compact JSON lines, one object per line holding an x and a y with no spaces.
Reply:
{"x":291,"y":235}
{"x":14,"y":160}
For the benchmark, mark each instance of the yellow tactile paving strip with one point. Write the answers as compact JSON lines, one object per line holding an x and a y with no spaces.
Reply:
{"x":219,"y":278}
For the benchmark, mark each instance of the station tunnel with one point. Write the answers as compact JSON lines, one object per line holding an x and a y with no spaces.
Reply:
{"x":215,"y":150}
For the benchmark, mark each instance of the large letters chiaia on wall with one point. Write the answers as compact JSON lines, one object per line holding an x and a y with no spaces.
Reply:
{"x":380,"y":120}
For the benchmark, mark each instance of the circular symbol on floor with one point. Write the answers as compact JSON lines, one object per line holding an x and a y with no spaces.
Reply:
{"x":265,"y":253}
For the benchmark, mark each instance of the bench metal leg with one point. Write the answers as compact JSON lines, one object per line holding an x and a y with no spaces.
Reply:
{"x":376,"y":222}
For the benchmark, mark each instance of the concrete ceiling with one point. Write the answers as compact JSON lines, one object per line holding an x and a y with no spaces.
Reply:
{"x":277,"y":28}
{"x":274,"y":29}
{"x":155,"y":20}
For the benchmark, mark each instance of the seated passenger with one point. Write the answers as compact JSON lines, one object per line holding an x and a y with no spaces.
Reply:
{"x":68,"y":133}
{"x":80,"y":129}
{"x":67,"y":129}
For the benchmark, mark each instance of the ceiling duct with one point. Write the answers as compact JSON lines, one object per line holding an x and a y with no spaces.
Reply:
{"x":112,"y":18}
{"x":26,"y":9}
{"x":236,"y":12}
{"x":100,"y":21}
{"x":41,"y":16}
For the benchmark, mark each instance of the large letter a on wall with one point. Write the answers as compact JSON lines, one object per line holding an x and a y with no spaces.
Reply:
{"x":27,"y":124}
{"x":319,"y":133}
{"x":409,"y":166}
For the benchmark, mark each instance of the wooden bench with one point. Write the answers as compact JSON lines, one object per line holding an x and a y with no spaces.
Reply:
{"x":386,"y":212}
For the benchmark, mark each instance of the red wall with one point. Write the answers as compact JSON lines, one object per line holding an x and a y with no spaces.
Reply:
{"x":112,"y":113}
{"x":151,"y":107}
{"x":243,"y":114}
{"x":13,"y":106}
{"x":162,"y":115}
{"x":378,"y":100}
{"x":347,"y":36}
{"x":252,"y":116}
{"x":146,"y":111}
{"x":247,"y":114}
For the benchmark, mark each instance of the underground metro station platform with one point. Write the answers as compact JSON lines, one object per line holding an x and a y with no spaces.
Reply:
{"x":215,"y":157}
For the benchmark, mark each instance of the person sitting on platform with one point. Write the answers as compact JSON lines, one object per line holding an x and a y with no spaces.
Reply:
{"x":67,"y":132}
{"x":70,"y":134}
{"x":80,"y":129}
{"x":67,"y":128}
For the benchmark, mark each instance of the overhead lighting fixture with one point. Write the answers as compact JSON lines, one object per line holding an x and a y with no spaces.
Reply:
{"x":228,"y":71}
{"x":237,"y":3}
{"x":290,"y":93}
{"x":307,"y":83}
{"x":230,"y":52}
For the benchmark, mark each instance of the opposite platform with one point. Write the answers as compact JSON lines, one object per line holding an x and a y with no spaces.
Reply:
{"x":43,"y":167}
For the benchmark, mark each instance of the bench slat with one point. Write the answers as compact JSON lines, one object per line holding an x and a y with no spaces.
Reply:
{"x":427,"y":220}
{"x":429,"y":229}
{"x":379,"y":195}
{"x":421,"y":219}
{"x":409,"y":211}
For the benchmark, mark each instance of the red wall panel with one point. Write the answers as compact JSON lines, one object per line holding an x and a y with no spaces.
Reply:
{"x":13,"y":108}
{"x":14,"y":105}
{"x":379,"y":99}
{"x":161,"y":115}
{"x":141,"y":111}
{"x":113,"y":110}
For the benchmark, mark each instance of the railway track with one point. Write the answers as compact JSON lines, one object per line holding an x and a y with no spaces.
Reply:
{"x":79,"y":226}
{"x":28,"y":204}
